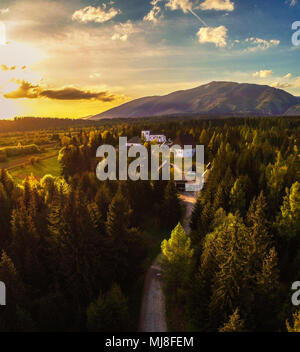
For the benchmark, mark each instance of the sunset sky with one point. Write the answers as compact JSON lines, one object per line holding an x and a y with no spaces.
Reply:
{"x":74,"y":58}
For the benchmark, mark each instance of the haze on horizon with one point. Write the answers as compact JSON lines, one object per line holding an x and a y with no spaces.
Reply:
{"x":78,"y":57}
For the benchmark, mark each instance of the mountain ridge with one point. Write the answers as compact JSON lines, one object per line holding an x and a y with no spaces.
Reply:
{"x":214,"y":98}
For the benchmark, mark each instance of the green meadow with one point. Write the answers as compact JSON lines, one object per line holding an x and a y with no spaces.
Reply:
{"x":38,"y":169}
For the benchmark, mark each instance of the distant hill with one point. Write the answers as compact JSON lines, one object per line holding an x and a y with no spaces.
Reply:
{"x":215,"y":98}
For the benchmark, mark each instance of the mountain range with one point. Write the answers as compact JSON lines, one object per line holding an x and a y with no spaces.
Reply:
{"x":215,"y":98}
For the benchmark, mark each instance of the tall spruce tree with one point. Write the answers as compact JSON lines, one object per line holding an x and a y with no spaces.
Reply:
{"x":172,"y":209}
{"x":234,"y":324}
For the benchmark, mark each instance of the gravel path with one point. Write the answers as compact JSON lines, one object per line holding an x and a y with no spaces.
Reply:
{"x":153,"y":310}
{"x":189,"y":200}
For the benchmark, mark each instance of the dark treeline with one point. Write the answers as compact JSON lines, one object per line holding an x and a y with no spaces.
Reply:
{"x":237,"y":268}
{"x":21,"y":124}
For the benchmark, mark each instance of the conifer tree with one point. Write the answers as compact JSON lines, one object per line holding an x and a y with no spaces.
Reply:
{"x":5,"y":212}
{"x":80,"y":251}
{"x":196,"y":214}
{"x":103,"y":198}
{"x":288,"y":226}
{"x":109,"y":312}
{"x":259,"y":238}
{"x":295,"y":327}
{"x":14,"y":317}
{"x":237,"y":197}
{"x":177,"y":258}
{"x":172,"y":210}
{"x":229,"y":288}
{"x":204,"y":138}
{"x":288,"y":221}
{"x":234,"y":324}
{"x":7,"y":181}
{"x":126,"y":245}
{"x":118,"y":217}
{"x":267,"y":293}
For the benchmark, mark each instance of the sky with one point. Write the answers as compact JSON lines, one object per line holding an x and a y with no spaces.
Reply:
{"x":76,"y":58}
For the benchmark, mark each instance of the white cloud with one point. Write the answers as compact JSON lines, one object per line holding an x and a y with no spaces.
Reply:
{"x":293,"y":3}
{"x":155,"y":13}
{"x":289,"y":75}
{"x":95,"y":14}
{"x":95,"y":75}
{"x":297,"y":82}
{"x":274,"y":42}
{"x":261,"y":44}
{"x":216,"y":35}
{"x":263,"y":73}
{"x":118,"y":36}
{"x":184,"y":5}
{"x":281,"y":85}
{"x":123,"y":30}
{"x":218,"y":5}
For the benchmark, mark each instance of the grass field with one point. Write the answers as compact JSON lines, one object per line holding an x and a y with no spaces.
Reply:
{"x":38,"y":170}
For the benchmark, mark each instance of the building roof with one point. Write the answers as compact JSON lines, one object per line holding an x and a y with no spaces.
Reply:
{"x":156,"y":133}
{"x":186,"y":139}
{"x":134,"y":139}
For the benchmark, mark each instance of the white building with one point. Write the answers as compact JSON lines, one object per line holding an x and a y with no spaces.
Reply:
{"x":151,"y":136}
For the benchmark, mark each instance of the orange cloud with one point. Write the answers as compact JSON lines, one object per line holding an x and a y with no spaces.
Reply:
{"x":10,"y":68}
{"x":7,"y":68}
{"x":31,"y":91}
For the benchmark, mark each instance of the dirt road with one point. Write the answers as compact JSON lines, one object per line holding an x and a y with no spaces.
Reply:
{"x":189,"y":200}
{"x":153,"y":310}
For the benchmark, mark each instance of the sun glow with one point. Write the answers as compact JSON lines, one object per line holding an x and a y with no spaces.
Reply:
{"x":2,"y":34}
{"x":16,"y":61}
{"x":19,"y":54}
{"x":8,"y":87}
{"x":10,"y":109}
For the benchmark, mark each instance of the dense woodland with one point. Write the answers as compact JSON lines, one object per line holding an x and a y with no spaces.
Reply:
{"x":73,"y":248}
{"x":235,"y":271}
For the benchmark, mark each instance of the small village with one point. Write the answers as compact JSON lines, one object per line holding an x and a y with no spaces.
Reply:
{"x":161,"y":139}
{"x":187,"y":149}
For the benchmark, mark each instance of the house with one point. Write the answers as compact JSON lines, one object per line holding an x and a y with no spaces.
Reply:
{"x":151,"y":136}
{"x":134,"y":141}
{"x":185,"y":140}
